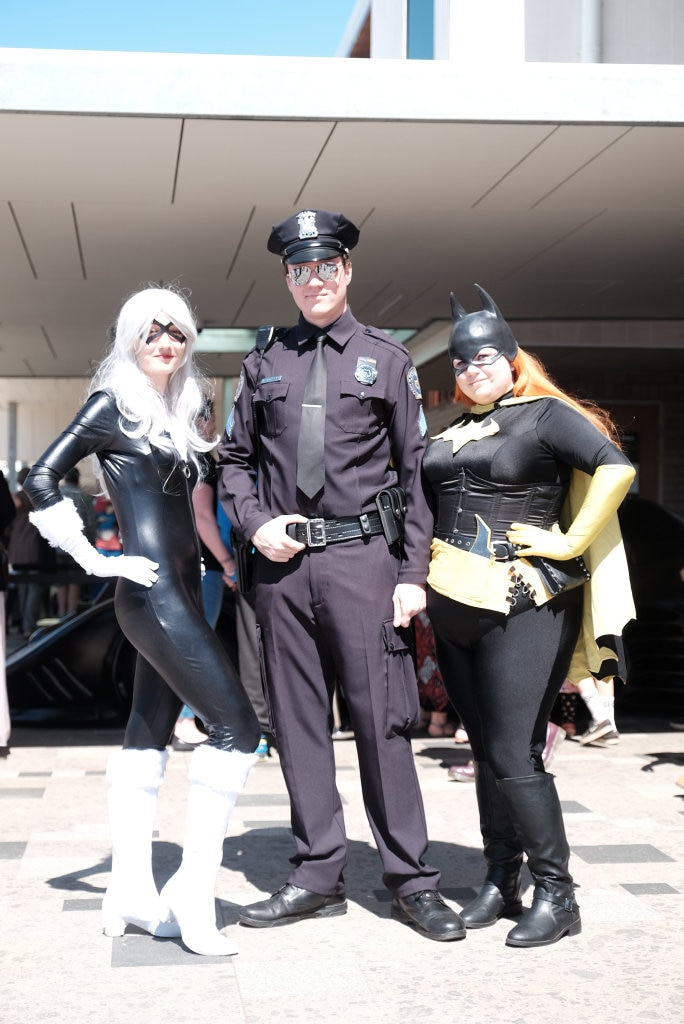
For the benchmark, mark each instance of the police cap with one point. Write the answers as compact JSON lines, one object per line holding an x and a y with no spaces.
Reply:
{"x":313,"y":235}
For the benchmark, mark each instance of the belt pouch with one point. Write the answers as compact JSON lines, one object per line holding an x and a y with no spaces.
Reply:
{"x":391,"y":506}
{"x":244,"y":565}
{"x":559,"y":575}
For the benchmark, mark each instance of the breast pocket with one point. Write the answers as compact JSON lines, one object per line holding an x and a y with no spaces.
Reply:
{"x":270,"y":408}
{"x":362,"y":407}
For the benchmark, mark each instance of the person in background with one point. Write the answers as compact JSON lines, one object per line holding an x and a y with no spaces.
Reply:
{"x":107,"y":539}
{"x":28,"y":553}
{"x":564,"y":712}
{"x":140,"y":423}
{"x":7,"y":513}
{"x":599,"y":696}
{"x":328,"y":418}
{"x":217,"y":560}
{"x":434,"y":700}
{"x":250,"y":668}
{"x":507,"y":595}
{"x":68,"y":594}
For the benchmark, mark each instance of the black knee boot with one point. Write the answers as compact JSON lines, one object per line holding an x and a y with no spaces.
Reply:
{"x":500,"y":894}
{"x":535,"y":810}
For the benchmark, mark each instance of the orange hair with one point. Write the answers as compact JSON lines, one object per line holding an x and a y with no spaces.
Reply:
{"x":530,"y":378}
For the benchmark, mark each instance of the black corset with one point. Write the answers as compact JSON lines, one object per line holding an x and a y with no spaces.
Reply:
{"x":499,"y":505}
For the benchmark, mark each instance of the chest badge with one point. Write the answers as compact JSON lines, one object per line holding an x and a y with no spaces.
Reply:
{"x":366,"y":372}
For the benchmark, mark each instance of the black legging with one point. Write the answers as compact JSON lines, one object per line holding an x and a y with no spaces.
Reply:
{"x":502,"y":674}
{"x":180,"y":660}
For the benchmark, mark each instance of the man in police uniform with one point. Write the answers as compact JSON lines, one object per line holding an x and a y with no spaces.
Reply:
{"x":334,"y":596}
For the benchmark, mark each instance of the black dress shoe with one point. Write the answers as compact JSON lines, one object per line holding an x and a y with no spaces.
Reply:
{"x":291,"y":904}
{"x":427,"y":912}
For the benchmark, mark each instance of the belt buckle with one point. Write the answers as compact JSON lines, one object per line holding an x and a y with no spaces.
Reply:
{"x":315,"y":533}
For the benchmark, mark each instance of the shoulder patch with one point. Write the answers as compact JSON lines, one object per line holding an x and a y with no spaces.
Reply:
{"x":414,"y":383}
{"x":240,"y":385}
{"x":229,"y":423}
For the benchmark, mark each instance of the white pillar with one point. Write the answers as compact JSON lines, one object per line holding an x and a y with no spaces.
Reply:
{"x":441,"y":23}
{"x":487,"y":32}
{"x":591,"y":43}
{"x":388,"y":29}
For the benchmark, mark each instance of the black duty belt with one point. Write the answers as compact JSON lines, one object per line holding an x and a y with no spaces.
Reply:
{"x":316,"y":533}
{"x":503,"y":550}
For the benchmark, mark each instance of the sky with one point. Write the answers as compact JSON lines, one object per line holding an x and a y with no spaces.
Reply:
{"x":285,"y":28}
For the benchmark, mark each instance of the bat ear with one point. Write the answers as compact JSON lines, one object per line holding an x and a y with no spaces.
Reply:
{"x":457,"y":310}
{"x":488,"y":302}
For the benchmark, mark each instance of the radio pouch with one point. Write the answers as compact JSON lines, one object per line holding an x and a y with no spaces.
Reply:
{"x":391,"y":505}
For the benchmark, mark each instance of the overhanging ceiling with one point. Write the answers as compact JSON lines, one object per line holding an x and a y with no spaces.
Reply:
{"x":562,"y":221}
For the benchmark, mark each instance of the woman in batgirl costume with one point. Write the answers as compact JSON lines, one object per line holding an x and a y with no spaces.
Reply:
{"x":527,"y":565}
{"x":139,"y":424}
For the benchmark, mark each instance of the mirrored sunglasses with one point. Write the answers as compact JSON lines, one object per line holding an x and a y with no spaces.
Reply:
{"x":157,"y":330}
{"x":300,"y":275}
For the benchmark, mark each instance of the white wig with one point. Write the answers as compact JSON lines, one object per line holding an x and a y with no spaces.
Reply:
{"x":168,"y":420}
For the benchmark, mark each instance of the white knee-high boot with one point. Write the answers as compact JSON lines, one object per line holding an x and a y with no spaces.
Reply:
{"x":133,"y":781}
{"x":217,"y":777}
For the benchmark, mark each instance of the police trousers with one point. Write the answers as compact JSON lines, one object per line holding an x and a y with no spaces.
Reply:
{"x":326,"y":615}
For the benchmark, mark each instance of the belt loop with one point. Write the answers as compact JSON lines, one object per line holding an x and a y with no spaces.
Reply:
{"x":365,"y":524}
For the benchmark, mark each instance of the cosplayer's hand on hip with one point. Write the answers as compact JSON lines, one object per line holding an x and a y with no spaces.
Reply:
{"x":532,"y":540}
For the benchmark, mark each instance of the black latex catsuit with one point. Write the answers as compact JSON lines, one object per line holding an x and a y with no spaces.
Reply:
{"x":502,"y":672}
{"x":180,"y":658}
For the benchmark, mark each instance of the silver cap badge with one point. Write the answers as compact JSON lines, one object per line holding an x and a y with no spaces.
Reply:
{"x":307,"y":224}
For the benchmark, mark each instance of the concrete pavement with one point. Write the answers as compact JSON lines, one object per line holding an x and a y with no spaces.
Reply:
{"x":625,"y":822}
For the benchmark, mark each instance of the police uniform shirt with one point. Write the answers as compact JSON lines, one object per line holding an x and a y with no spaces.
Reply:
{"x":375,"y":433}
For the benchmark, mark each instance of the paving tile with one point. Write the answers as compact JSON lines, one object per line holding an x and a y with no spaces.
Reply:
{"x":572,"y":807}
{"x":92,"y":904}
{"x":651,"y":889}
{"x":12,"y":851}
{"x":21,"y":793}
{"x":141,"y":950}
{"x":624,"y":853}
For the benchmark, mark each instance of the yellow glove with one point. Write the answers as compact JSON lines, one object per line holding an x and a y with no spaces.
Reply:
{"x":608,"y":487}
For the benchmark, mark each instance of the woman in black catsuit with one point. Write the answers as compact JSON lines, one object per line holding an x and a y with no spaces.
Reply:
{"x":138,"y":422}
{"x":521,"y":459}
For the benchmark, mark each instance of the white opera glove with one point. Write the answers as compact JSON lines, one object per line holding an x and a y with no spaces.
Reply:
{"x":62,"y":527}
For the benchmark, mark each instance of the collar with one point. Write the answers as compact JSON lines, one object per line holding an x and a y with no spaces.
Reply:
{"x":339,"y":331}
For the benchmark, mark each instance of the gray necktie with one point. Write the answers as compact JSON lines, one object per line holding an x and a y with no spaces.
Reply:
{"x":311,"y":444}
